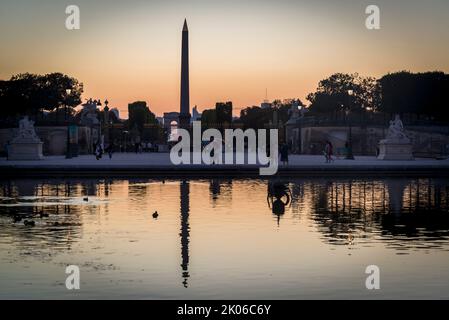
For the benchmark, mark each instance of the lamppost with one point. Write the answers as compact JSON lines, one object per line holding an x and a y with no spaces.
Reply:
{"x":68,"y":92}
{"x":125,"y":143}
{"x":68,"y":152}
{"x":106,"y":123}
{"x":349,"y":154}
{"x":299,"y":121}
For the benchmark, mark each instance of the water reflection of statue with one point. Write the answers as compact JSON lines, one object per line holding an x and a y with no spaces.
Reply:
{"x":395,"y":189}
{"x":26,"y":131}
{"x":396,"y":130}
{"x":279,"y":197}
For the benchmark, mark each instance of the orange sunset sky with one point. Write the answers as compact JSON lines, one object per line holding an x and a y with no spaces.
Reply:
{"x":131,"y":50}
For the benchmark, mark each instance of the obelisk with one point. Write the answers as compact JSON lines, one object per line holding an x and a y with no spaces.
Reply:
{"x":184,"y":114}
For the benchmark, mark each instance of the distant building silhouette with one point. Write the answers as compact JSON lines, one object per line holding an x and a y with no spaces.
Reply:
{"x":196,"y":116}
{"x":169,"y":118}
{"x":265,"y":105}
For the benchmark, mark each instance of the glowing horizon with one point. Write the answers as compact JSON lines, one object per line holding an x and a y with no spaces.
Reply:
{"x":132,"y":51}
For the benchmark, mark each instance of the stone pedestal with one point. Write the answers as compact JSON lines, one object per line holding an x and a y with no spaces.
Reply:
{"x":396,"y":146}
{"x":395,"y":150}
{"x":26,"y":145}
{"x":25,"y":151}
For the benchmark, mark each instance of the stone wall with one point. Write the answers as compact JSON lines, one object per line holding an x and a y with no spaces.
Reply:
{"x":54,"y":139}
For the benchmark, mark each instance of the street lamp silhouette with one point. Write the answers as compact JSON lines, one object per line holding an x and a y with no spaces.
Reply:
{"x":106,"y":123}
{"x":349,"y":154}
{"x":68,"y":152}
{"x":68,"y":92}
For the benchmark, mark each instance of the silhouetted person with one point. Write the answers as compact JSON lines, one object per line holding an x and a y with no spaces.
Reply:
{"x":328,"y":151}
{"x":7,"y":149}
{"x":284,"y":154}
{"x":98,"y":151}
{"x":110,"y":150}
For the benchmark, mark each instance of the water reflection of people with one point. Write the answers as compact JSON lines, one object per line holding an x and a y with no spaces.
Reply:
{"x":278,"y":197}
{"x":214,"y":188}
{"x":220,"y":189}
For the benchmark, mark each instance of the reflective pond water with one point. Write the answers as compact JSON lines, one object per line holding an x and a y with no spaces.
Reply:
{"x":230,"y":239}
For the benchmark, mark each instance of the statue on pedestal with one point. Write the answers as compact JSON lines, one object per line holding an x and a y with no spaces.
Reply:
{"x":396,"y":131}
{"x":396,"y":145}
{"x":26,"y":145}
{"x":26,"y":132}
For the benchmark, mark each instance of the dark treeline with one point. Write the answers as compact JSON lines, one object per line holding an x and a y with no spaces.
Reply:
{"x":221,"y":116}
{"x":259,"y":118}
{"x":421,"y":96}
{"x":418,"y":94}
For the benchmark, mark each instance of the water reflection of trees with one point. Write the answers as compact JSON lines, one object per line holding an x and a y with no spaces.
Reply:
{"x":410,"y":213}
{"x":54,"y":205}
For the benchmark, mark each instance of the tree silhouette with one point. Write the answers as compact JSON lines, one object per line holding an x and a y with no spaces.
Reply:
{"x":345,"y":93}
{"x":30,"y":93}
{"x":422,"y":94}
{"x":139,"y":115}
